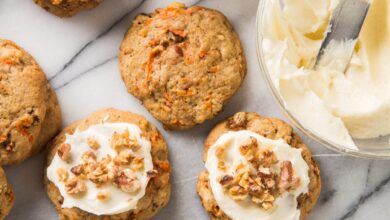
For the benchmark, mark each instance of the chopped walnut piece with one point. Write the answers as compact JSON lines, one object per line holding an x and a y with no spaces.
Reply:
{"x":257,"y":178}
{"x":63,"y":152}
{"x":75,"y":186}
{"x":287,"y":180}
{"x":77,"y":170}
{"x":62,"y":174}
{"x":267,"y":158}
{"x":123,"y":158}
{"x":237,"y":121}
{"x":103,"y":196}
{"x":88,"y":156}
{"x":226,"y":180}
{"x":137,"y":164}
{"x":221,"y":165}
{"x":249,"y":148}
{"x":93,"y":143}
{"x":152,"y":173}
{"x":123,"y":141}
{"x":238,"y":193}
{"x":99,"y":175}
{"x":219,"y":152}
{"x":127,"y":181}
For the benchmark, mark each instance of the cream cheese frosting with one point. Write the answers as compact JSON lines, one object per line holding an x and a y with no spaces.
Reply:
{"x":335,"y":105}
{"x":285,"y":205}
{"x":118,"y":201}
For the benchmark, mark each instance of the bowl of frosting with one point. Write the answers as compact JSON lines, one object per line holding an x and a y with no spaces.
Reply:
{"x":346,"y":111}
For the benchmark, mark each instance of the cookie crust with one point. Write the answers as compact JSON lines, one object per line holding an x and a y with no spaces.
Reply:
{"x":270,"y":128}
{"x":67,"y":8}
{"x":158,"y":189}
{"x":26,"y":102}
{"x":6,"y":196}
{"x":182,"y":63}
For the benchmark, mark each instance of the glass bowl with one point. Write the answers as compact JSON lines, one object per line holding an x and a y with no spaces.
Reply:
{"x":375,"y":148}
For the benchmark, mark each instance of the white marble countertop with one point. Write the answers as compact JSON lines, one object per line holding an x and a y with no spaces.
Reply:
{"x":79,"y":56}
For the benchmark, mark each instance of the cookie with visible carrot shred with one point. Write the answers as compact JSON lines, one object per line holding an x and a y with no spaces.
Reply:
{"x":182,"y":63}
{"x":257,"y":168}
{"x":29,"y":111}
{"x":6,"y":195}
{"x":67,"y":8}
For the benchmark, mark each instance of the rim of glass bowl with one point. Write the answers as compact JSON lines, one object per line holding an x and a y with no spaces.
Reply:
{"x":379,"y":153}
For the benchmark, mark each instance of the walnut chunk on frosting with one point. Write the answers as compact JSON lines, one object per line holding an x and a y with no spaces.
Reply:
{"x":62,"y":174}
{"x":127,"y":181}
{"x":123,"y":140}
{"x":75,"y":186}
{"x":288,"y":180}
{"x":93,"y":143}
{"x":63,"y":152}
{"x":260,"y":177}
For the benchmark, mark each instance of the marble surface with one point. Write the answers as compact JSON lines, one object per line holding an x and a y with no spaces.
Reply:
{"x":79,"y":56}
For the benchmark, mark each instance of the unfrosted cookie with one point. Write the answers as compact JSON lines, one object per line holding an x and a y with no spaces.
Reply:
{"x":111,"y":165}
{"x":29,"y":111}
{"x":273,"y":175}
{"x":6,"y":196}
{"x":67,"y":8}
{"x":182,"y":63}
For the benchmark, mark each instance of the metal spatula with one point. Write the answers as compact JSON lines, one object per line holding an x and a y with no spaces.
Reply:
{"x":344,"y":29}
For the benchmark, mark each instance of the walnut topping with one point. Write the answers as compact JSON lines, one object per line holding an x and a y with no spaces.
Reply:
{"x":226,"y":180}
{"x":123,"y":158}
{"x":103,"y":196}
{"x":64,"y":152}
{"x":288,"y":180}
{"x":258,"y":179}
{"x":62,"y":174}
{"x":249,"y":148}
{"x":75,"y":186}
{"x":99,"y":175}
{"x":123,"y":141}
{"x":152,"y":173}
{"x":119,"y":170}
{"x":237,"y":121}
{"x":88,"y":156}
{"x":137,"y":164}
{"x":77,"y":170}
{"x":221,"y":165}
{"x":93,"y":143}
{"x":127,"y":181}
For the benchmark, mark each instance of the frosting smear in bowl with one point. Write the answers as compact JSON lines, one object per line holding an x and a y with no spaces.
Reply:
{"x":338,"y":106}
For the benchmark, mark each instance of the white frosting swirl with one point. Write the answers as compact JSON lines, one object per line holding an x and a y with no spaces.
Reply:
{"x":286,"y":204}
{"x":119,"y":201}
{"x":343,"y":105}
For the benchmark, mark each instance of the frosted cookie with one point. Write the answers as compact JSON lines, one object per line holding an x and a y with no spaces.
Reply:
{"x":111,"y":165}
{"x":67,"y":8}
{"x":182,"y":63}
{"x":6,"y":196}
{"x":257,"y":168}
{"x":29,"y":110}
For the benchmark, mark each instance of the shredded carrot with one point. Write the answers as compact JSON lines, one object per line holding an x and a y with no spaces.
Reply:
{"x":7,"y":61}
{"x":23,"y":131}
{"x":178,"y":32}
{"x":164,"y":165}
